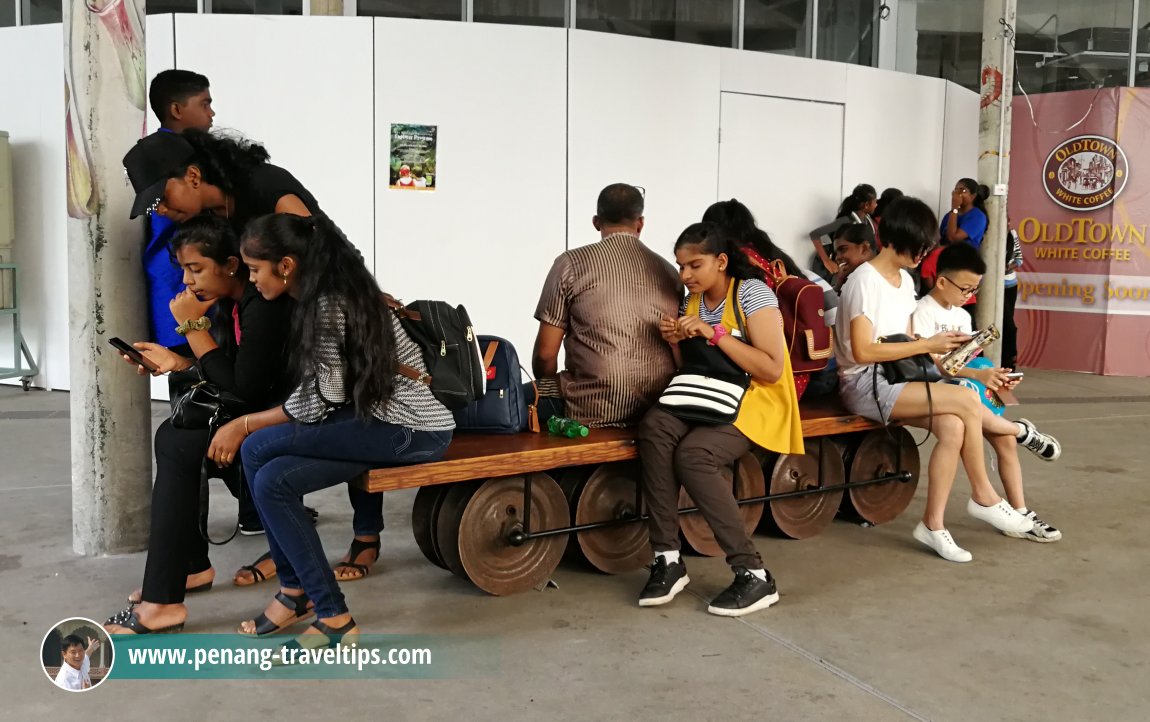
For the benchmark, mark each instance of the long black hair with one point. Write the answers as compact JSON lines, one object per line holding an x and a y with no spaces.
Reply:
{"x":332,"y":269}
{"x":225,"y":162}
{"x":978,"y":192}
{"x":711,"y":240}
{"x":213,"y":237}
{"x":738,"y":224}
{"x":862,"y":193}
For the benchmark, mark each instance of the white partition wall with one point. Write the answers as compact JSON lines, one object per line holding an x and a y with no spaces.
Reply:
{"x":486,"y":236}
{"x":302,"y":86}
{"x":644,"y":112}
{"x":532,"y":123}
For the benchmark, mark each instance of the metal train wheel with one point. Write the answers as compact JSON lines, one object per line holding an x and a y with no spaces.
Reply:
{"x":447,"y":523}
{"x":424,"y":514}
{"x":571,"y":481}
{"x":747,"y":482}
{"x":610,"y":493}
{"x":491,"y":562}
{"x":802,"y":517}
{"x":877,"y":456}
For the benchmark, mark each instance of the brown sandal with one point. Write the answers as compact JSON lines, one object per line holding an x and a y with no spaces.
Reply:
{"x":257,"y":575}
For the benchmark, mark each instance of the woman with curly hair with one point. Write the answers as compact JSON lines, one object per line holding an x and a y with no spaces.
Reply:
{"x":180,"y":176}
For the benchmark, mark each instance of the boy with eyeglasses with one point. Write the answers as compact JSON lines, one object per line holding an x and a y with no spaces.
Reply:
{"x":960,"y":271}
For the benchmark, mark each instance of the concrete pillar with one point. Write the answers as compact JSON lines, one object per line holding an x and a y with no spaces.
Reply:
{"x":105,"y":98}
{"x":994,"y":155}
{"x":326,"y":7}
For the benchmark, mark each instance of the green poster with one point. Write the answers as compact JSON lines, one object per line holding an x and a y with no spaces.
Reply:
{"x":412,"y":157}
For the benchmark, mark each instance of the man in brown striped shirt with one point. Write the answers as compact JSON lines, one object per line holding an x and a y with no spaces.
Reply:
{"x":603,"y":304}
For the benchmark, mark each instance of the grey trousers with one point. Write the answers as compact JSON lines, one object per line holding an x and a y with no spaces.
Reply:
{"x":673,"y":453}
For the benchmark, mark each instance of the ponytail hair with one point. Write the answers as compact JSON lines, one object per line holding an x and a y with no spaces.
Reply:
{"x":978,"y":192}
{"x":862,"y":193}
{"x":330,"y":268}
{"x":711,"y":240}
{"x":738,"y":224}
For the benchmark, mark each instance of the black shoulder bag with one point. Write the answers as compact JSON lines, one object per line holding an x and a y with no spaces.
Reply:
{"x":199,"y":404}
{"x":920,"y":367}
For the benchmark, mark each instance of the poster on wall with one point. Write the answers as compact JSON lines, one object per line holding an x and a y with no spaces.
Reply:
{"x":413,"y":157}
{"x":1080,"y":201}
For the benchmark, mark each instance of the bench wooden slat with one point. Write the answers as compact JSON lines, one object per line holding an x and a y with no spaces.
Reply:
{"x":480,"y":456}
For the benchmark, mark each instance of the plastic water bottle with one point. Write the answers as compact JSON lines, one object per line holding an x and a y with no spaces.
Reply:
{"x":563,"y":426}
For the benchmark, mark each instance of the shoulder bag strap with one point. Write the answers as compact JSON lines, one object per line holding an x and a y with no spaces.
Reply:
{"x":212,"y":426}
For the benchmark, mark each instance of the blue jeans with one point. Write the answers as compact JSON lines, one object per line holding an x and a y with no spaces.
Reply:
{"x":285,"y":462}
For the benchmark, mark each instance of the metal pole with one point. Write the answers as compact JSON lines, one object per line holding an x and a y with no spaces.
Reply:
{"x":998,"y":23}
{"x":1133,"y":68}
{"x":110,"y":405}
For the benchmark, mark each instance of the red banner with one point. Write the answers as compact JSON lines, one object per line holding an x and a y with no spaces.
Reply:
{"x":1078,"y":199}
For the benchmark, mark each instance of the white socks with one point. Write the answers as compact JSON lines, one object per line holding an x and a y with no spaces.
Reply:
{"x":760,"y":573}
{"x":672,"y":557}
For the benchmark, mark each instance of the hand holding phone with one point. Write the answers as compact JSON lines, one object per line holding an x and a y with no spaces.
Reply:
{"x":1015,"y":375}
{"x":126,"y":349}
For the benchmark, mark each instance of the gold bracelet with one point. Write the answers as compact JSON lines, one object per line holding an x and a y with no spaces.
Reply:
{"x":246,"y":432}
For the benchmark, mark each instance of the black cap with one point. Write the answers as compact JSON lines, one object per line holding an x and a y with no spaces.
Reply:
{"x":150,"y":163}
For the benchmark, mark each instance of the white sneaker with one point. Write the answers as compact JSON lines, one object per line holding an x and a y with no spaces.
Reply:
{"x":942,"y":543}
{"x":1044,"y":446}
{"x":1042,"y":532}
{"x":1001,"y":516}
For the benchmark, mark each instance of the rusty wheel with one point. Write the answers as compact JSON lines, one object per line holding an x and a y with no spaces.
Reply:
{"x":748,"y":482}
{"x":424,"y":513}
{"x":609,"y":494}
{"x":447,"y":533}
{"x":875,"y":457}
{"x":801,"y":517}
{"x":492,"y":563}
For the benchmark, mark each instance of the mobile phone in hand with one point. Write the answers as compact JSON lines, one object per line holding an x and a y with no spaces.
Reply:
{"x":1015,"y":375}
{"x":131,"y":352}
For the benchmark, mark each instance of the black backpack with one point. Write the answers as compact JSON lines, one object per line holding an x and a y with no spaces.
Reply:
{"x":450,"y":348}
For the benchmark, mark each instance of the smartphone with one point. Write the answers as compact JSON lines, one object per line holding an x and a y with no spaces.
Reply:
{"x":1015,"y":375}
{"x":131,"y":352}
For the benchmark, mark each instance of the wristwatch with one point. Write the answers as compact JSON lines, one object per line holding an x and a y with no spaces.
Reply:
{"x":203,"y":323}
{"x":720,"y":331}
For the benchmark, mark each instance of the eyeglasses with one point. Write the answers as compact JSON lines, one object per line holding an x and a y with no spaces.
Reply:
{"x":964,"y":290}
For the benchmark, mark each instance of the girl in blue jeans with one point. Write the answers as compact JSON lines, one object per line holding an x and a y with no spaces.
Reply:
{"x":351,"y":410}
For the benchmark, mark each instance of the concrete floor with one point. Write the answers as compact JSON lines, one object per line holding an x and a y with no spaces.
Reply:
{"x":870,"y":626}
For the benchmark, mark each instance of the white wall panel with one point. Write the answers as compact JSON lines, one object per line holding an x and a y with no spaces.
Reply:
{"x":302,"y":86}
{"x":782,"y":76}
{"x":644,"y":112}
{"x":486,"y":236}
{"x":960,"y":141}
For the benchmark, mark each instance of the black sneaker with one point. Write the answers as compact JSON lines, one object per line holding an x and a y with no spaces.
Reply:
{"x":251,"y":527}
{"x":746,"y":594}
{"x":666,"y":581}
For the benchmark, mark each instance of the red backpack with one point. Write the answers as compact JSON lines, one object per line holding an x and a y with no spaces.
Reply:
{"x":809,"y":339}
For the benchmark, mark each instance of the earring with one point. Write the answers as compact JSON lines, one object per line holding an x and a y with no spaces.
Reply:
{"x":231,"y":273}
{"x":285,"y":280}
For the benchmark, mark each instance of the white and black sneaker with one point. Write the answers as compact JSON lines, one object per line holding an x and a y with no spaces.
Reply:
{"x":1044,"y":446}
{"x":746,"y":594}
{"x":665,"y":582}
{"x":1040,"y":532}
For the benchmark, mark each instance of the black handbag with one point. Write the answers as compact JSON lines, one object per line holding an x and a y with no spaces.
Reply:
{"x":199,"y":404}
{"x":920,"y":367}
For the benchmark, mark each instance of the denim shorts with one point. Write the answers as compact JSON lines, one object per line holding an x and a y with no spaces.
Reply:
{"x":858,"y":394}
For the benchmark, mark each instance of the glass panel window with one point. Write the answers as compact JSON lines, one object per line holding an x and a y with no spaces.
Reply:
{"x":707,"y":22}
{"x":945,"y":40}
{"x":1142,"y":65}
{"x":520,"y":12}
{"x":422,"y":9}
{"x":777,"y":26}
{"x":42,"y":12}
{"x":159,"y":7}
{"x":847,"y":31}
{"x":7,"y":13}
{"x":258,"y":7}
{"x":1068,"y":45}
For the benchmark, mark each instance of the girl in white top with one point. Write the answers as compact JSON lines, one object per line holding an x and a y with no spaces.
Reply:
{"x":878,"y":300}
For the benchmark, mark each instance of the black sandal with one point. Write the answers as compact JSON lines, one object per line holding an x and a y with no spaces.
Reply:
{"x":198,"y":589}
{"x":357,"y":547}
{"x":257,"y":575}
{"x":127,"y":619}
{"x":297,"y":604}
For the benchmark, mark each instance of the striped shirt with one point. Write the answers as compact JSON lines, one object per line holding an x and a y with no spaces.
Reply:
{"x":608,"y":298}
{"x":754,"y":296}
{"x":324,"y":388}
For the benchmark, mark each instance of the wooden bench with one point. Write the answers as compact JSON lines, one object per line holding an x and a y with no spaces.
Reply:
{"x":502,"y":510}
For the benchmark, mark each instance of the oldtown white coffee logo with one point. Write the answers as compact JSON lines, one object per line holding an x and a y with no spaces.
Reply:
{"x":1085,"y":173}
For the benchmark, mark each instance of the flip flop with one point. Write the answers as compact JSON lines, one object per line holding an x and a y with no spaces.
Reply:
{"x":127,"y":619}
{"x":257,"y":575}
{"x":297,"y":604}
